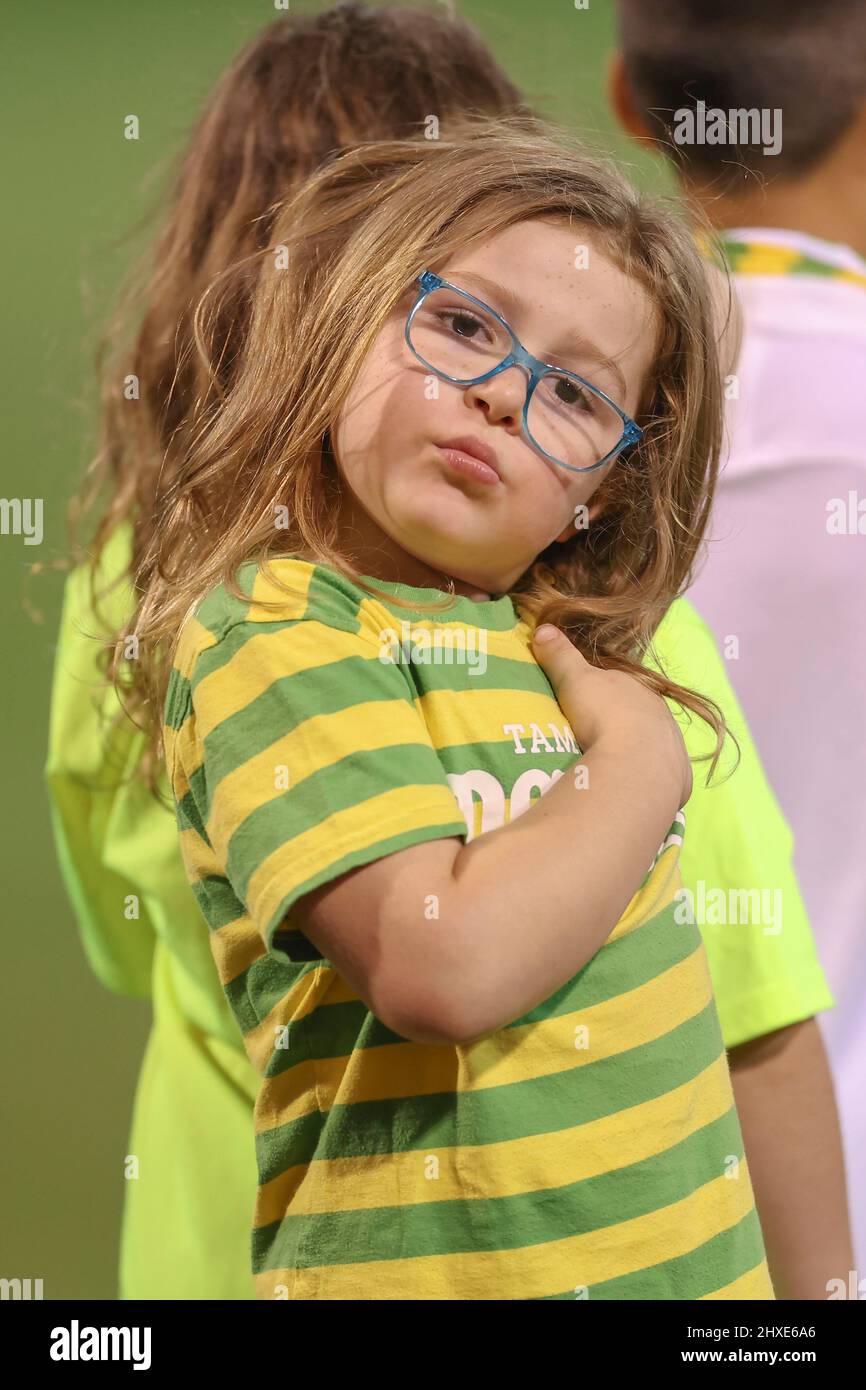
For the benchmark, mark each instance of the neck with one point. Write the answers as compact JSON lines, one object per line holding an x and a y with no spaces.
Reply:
{"x":828,"y":202}
{"x":373,"y":552}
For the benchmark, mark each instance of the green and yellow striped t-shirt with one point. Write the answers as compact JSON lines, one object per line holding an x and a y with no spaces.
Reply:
{"x":591,"y":1148}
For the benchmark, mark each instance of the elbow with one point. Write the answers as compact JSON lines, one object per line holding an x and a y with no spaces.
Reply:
{"x":429,"y":992}
{"x":426,"y":1021}
{"x":423,"y":1012}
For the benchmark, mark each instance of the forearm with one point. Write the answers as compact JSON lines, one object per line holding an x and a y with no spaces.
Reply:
{"x":532,"y":901}
{"x":787,"y":1108}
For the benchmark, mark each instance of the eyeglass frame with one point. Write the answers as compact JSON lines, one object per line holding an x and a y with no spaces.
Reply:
{"x":520,"y":357}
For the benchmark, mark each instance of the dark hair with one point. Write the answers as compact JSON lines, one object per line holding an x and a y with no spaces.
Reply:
{"x":806,"y":58}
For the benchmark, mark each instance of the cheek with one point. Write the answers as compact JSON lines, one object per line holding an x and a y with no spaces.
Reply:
{"x":585,"y":486}
{"x":381,"y":391}
{"x":564,"y":491}
{"x":545,"y":505}
{"x":356,"y":420}
{"x":578,"y":508}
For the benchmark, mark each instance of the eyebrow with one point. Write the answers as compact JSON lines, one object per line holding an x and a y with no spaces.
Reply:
{"x":516,"y":303}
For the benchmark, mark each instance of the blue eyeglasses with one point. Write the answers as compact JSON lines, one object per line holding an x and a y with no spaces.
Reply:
{"x":463,"y":341}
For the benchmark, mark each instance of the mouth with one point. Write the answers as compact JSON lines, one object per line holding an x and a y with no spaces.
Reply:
{"x":468,"y":455}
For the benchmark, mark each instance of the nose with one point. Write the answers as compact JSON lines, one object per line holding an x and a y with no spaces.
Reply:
{"x":501,"y":397}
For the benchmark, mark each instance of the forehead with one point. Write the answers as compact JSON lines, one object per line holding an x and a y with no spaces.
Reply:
{"x":550,"y":279}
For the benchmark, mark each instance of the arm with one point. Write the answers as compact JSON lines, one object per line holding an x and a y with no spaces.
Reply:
{"x":785,"y":1100}
{"x":566,"y":868}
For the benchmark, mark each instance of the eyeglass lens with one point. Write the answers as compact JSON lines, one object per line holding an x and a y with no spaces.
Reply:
{"x":569,"y":422}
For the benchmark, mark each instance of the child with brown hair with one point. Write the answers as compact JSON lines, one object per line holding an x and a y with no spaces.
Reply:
{"x":491,"y":1060}
{"x":304,"y":87}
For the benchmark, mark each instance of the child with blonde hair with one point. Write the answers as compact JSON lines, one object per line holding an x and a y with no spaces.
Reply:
{"x":304,"y":86}
{"x":480,"y":393}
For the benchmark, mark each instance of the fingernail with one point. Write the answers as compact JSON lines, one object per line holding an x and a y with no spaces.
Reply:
{"x":545,"y":632}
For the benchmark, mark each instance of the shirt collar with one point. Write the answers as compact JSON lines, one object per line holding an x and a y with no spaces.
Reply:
{"x":830,"y":252}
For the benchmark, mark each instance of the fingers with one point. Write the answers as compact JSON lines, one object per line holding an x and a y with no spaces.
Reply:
{"x":555,"y":652}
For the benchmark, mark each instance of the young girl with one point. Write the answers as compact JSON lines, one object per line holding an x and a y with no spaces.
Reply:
{"x":303,"y":86}
{"x":306,"y":85}
{"x":491,"y":1061}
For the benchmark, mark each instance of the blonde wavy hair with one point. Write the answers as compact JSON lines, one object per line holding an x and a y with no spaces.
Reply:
{"x":345,"y":248}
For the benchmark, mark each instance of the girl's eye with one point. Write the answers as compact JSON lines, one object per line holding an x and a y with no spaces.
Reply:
{"x":571,"y":393}
{"x":462,"y":324}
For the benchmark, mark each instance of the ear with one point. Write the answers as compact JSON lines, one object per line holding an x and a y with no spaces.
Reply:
{"x":622,"y":101}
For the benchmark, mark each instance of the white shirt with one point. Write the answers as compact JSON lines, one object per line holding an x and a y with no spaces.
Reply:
{"x":793,"y":596}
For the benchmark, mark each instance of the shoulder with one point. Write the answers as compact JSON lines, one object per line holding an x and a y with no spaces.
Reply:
{"x":685,"y":650}
{"x":287,"y":615}
{"x":685,"y":647}
{"x":105,"y":579}
{"x":804,"y":345}
{"x":286,"y":590}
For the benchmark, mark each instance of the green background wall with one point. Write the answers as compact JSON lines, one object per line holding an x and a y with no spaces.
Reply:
{"x":74,"y":188}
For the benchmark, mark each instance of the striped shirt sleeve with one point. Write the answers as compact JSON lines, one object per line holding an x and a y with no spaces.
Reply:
{"x":310,"y":758}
